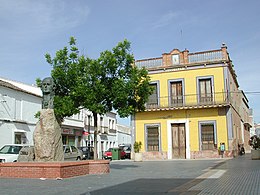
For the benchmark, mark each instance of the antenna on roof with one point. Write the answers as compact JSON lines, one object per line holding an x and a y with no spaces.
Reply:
{"x":181,"y":39}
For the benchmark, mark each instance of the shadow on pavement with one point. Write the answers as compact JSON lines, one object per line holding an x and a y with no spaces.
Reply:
{"x":151,"y":186}
{"x":122,"y":166}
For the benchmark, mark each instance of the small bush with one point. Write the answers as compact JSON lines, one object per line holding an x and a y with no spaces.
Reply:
{"x":137,"y":146}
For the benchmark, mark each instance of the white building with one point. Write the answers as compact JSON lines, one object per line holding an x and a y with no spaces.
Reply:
{"x":20,"y":102}
{"x":110,"y":134}
{"x":18,"y":105}
{"x":124,"y":135}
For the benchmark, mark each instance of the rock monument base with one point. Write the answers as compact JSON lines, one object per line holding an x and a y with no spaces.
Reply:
{"x":47,"y":138}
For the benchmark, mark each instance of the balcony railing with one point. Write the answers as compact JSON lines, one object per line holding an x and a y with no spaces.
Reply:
{"x":112,"y":131}
{"x":194,"y":100}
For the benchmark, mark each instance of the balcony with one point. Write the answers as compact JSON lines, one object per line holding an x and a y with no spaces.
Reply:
{"x":103,"y":129}
{"x":189,"y":101}
{"x":112,"y":131}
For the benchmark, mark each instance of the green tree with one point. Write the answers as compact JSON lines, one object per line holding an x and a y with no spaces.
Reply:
{"x":108,"y":83}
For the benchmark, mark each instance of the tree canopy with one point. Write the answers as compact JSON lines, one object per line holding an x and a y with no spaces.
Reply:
{"x":108,"y":83}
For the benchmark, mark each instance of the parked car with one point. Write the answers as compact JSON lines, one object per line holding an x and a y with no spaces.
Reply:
{"x":108,"y":154}
{"x":10,"y":152}
{"x":72,"y":153}
{"x":127,"y":150}
{"x":88,"y":152}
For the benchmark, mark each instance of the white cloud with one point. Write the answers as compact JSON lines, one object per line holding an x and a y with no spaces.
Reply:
{"x":165,"y":20}
{"x":35,"y":16}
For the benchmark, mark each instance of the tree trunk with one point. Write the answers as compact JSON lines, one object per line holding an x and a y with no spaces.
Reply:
{"x":95,"y":136}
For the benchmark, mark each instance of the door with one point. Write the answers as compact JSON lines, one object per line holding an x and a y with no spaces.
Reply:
{"x":178,"y":141}
{"x":205,"y":91}
{"x":153,"y":98}
{"x":176,"y":94}
{"x":71,"y":140}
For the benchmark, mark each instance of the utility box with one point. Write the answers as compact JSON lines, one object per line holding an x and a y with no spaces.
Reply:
{"x":222,"y":147}
{"x":115,"y":154}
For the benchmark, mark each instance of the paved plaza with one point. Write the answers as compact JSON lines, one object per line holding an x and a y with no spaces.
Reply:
{"x":240,"y":175}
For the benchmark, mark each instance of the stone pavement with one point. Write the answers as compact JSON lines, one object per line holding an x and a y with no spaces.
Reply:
{"x":240,"y":175}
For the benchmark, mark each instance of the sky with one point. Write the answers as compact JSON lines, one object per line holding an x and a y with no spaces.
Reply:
{"x":31,"y":28}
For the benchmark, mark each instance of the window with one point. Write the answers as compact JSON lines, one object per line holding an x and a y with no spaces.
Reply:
{"x":113,"y":124}
{"x":110,"y":123}
{"x":176,"y":93}
{"x":74,"y":149}
{"x":208,"y":136}
{"x":205,"y":90}
{"x":101,"y":121}
{"x":175,"y":59}
{"x":153,"y":98}
{"x":18,"y":138}
{"x":67,"y":150}
{"x":152,"y":138}
{"x":101,"y":125}
{"x":89,"y":120}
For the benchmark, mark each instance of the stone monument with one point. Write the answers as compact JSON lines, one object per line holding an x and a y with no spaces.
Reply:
{"x":47,"y":135}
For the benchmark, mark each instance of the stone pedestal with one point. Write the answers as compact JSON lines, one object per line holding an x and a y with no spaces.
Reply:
{"x":47,"y":138}
{"x":138,"y":157}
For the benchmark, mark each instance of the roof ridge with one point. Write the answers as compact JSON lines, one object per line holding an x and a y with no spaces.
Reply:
{"x":4,"y":78}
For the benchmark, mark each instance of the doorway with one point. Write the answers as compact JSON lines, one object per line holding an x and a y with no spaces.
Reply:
{"x":178,"y":141}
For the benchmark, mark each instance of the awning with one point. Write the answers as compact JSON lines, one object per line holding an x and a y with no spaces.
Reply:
{"x":19,"y":131}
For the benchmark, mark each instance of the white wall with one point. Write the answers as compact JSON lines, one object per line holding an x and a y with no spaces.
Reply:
{"x":17,"y":110}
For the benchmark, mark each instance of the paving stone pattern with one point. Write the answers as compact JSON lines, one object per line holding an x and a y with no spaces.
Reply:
{"x":240,"y":175}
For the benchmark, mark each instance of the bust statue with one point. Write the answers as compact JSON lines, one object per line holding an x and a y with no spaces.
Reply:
{"x":47,"y":87}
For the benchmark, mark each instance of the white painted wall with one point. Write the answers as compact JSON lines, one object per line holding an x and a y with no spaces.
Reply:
{"x":17,"y":110}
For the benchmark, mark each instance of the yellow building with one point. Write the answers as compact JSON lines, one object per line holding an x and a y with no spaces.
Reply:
{"x":194,"y":109}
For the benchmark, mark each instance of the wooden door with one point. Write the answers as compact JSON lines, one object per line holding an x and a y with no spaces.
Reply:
{"x":178,"y":141}
{"x":176,"y":94}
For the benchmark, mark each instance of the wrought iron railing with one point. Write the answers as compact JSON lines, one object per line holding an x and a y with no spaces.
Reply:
{"x":189,"y":100}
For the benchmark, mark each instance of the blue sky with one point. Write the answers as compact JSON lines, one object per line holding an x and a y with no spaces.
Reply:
{"x":32,"y":28}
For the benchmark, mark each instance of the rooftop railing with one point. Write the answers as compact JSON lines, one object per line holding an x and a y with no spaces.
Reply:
{"x":194,"y":100}
{"x":200,"y":57}
{"x":151,"y":63}
{"x":205,"y":56}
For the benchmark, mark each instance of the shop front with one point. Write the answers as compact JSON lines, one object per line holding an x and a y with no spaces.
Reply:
{"x":71,"y":136}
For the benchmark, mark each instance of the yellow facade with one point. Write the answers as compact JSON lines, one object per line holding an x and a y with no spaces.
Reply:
{"x":191,"y":129}
{"x":194,"y":116}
